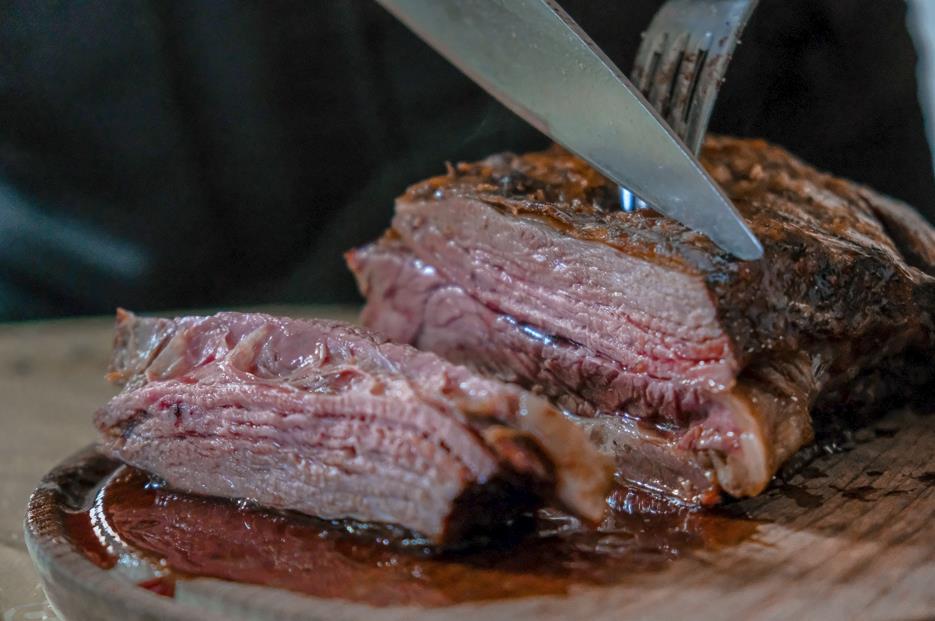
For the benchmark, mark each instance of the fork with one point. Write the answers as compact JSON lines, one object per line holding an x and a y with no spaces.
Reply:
{"x":683,"y":57}
{"x":681,"y":63}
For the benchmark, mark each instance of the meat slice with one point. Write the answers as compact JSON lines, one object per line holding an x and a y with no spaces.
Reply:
{"x":697,"y":371}
{"x":330,"y":420}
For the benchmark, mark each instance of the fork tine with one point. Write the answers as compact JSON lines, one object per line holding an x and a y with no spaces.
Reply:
{"x":647,"y":60}
{"x":663,"y":85}
{"x":724,"y":38}
{"x":698,"y":112}
{"x":685,"y":85}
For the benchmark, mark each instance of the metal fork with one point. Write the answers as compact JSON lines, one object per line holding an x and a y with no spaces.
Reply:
{"x":682,"y":60}
{"x":681,"y":63}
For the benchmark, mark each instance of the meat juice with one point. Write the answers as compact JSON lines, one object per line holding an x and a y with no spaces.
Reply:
{"x":187,"y":536}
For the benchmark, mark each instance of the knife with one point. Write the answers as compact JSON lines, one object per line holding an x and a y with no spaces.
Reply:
{"x":537,"y":61}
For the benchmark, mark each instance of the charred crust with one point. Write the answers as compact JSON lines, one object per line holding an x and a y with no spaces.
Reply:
{"x":491,"y":511}
{"x":840,"y":258}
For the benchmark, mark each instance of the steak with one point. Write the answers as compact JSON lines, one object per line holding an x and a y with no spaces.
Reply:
{"x":328,"y":419}
{"x":698,"y":372}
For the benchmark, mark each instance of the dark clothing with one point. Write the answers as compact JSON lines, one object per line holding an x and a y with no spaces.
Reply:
{"x":180,"y":154}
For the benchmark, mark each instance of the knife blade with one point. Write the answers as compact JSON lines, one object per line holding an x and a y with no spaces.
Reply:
{"x":537,"y":61}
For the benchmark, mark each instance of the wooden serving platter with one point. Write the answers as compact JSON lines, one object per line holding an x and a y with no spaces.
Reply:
{"x":851,"y":535}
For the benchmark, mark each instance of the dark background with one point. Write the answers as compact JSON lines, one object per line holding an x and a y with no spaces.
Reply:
{"x":158,"y":154}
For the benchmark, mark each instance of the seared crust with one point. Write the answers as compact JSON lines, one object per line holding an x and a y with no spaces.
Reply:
{"x":831,"y":268}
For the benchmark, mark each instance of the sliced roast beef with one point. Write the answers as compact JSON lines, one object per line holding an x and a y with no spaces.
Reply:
{"x":328,"y":419}
{"x":699,"y":372}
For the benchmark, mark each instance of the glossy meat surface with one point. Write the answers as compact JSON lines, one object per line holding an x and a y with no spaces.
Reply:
{"x":328,"y":419}
{"x":524,"y":267}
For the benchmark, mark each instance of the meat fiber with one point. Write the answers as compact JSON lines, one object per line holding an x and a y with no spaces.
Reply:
{"x":330,"y":420}
{"x":697,"y":371}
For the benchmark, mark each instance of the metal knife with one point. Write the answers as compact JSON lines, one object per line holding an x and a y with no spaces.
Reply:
{"x":538,"y":62}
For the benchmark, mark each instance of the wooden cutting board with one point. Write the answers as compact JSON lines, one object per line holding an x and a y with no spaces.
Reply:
{"x":850,"y":536}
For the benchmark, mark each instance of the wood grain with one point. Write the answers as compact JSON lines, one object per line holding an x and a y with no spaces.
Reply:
{"x":852,"y":537}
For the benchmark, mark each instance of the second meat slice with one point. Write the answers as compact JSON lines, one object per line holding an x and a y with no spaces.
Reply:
{"x":331,"y":420}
